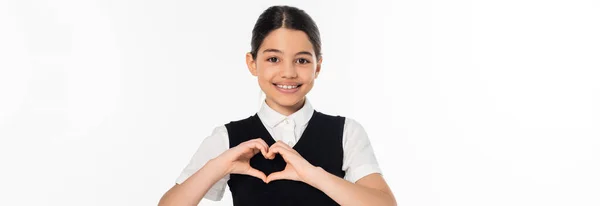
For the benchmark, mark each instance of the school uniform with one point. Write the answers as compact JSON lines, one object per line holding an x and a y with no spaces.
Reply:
{"x":337,"y":144}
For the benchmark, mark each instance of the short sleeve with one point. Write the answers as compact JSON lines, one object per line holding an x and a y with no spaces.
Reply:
{"x":359,"y":158}
{"x":211,"y":147}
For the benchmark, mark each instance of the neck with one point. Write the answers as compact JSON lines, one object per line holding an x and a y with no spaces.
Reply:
{"x":285,"y":110}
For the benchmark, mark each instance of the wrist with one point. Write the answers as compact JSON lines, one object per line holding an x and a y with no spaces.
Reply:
{"x":219,"y":166}
{"x":315,"y":175}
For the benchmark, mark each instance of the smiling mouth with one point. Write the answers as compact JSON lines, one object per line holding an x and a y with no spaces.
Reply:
{"x":281,"y":86}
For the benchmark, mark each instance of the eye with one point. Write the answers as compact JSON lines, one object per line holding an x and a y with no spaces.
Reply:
{"x":273,"y":59}
{"x":302,"y":61}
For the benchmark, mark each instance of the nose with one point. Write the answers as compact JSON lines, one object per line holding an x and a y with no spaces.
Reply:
{"x":288,"y":71}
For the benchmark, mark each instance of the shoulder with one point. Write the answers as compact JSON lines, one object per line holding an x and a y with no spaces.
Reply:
{"x":328,"y":118}
{"x":217,"y":138}
{"x":353,"y":124}
{"x":350,"y":125}
{"x":327,"y":115}
{"x":236,"y":127}
{"x":240,"y":122}
{"x":220,"y":130}
{"x":354,"y":133}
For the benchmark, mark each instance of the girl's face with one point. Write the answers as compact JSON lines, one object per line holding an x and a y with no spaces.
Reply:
{"x":286,"y":67}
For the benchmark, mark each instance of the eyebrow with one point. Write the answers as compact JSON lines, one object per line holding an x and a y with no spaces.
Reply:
{"x":279,"y":51}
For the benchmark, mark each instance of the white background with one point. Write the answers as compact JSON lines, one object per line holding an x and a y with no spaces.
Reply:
{"x":465,"y":102}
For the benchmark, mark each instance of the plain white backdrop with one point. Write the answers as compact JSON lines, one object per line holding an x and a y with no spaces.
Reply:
{"x":465,"y":102}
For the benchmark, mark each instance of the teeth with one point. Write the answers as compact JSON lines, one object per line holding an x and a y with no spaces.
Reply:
{"x":287,"y":86}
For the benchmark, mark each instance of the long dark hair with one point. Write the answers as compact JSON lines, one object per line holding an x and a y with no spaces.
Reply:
{"x":289,"y":17}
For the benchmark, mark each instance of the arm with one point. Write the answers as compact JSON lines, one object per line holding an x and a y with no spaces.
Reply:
{"x":363,"y":183}
{"x":233,"y":161}
{"x":192,"y":190}
{"x":369,"y":190}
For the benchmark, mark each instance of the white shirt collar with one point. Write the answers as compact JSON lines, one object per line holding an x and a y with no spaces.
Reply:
{"x":271,"y":117}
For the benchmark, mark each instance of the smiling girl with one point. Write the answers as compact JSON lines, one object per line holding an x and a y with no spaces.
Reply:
{"x":306,"y":157}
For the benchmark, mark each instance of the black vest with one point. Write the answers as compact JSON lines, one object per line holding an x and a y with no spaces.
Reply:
{"x":320,"y":144}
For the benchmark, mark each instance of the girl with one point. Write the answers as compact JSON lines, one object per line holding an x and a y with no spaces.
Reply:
{"x":306,"y":157}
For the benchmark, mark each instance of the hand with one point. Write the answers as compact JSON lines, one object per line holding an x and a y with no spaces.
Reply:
{"x":297,"y":168}
{"x":237,"y":159}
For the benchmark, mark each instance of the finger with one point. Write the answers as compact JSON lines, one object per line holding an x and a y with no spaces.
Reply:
{"x":278,"y":149}
{"x":254,"y":144}
{"x":278,"y":176}
{"x":283,"y":144}
{"x":261,"y":141}
{"x":246,"y":147}
{"x":256,"y":173}
{"x":264,"y":144}
{"x":288,"y":147}
{"x":272,"y":151}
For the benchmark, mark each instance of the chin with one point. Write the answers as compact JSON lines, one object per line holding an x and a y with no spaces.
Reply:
{"x":287,"y":101}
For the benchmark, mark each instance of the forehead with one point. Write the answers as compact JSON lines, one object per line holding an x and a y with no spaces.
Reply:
{"x":287,"y":40}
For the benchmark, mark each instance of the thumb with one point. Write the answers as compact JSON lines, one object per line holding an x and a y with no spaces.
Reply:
{"x":278,"y":176}
{"x":256,"y":173}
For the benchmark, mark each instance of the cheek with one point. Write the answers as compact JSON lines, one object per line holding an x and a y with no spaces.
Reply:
{"x":308,"y":74}
{"x":265,"y":73}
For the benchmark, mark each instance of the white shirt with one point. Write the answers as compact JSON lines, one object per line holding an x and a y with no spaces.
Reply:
{"x":359,"y":159}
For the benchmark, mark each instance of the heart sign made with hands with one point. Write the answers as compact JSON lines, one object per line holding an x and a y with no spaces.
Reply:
{"x":297,"y":168}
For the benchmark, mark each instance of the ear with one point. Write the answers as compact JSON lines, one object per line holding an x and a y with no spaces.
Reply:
{"x":251,"y":64}
{"x":318,"y":67}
